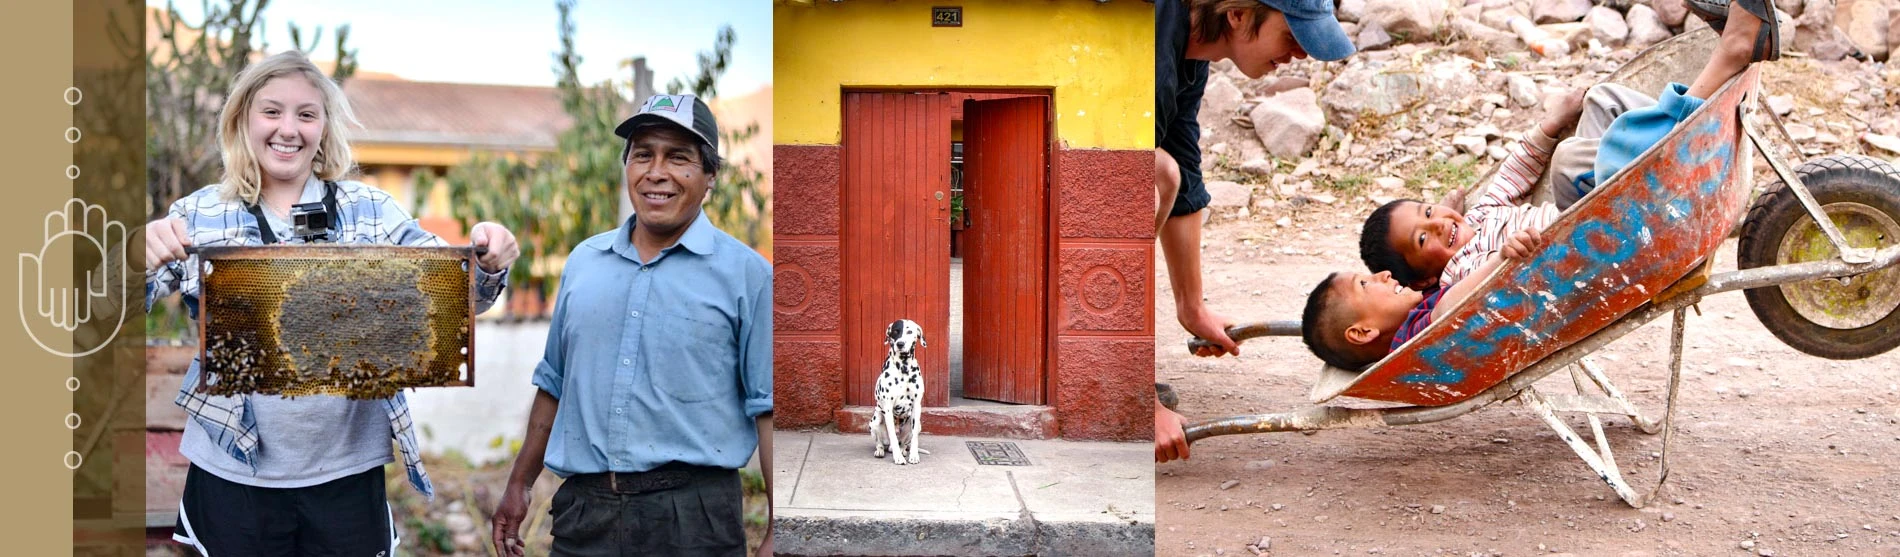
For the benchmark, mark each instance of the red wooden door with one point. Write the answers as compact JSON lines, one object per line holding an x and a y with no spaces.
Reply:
{"x":1005,"y":299}
{"x":896,"y":234}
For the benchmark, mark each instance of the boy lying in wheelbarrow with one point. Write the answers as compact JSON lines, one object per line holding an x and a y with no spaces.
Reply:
{"x":1746,"y":38}
{"x":1425,"y":244}
{"x":1354,"y":320}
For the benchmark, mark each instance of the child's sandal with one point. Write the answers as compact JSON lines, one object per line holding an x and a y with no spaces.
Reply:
{"x":1768,"y":39}
{"x":1714,"y":12}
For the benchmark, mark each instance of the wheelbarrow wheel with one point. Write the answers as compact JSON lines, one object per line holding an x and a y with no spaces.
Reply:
{"x":1845,"y":318}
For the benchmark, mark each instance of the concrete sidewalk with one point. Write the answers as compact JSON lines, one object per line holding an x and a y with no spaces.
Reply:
{"x":1074,"y":498}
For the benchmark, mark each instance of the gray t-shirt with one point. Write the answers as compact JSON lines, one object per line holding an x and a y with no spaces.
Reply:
{"x":303,"y":441}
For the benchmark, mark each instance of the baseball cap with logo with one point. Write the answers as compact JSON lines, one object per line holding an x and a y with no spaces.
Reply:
{"x":1315,"y":27}
{"x":685,"y":111}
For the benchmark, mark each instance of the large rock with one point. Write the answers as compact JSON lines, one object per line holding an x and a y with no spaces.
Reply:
{"x":1883,"y":142}
{"x":1373,"y":37}
{"x":1259,"y":168}
{"x":1288,"y":124}
{"x":1577,"y":35}
{"x":1816,"y":34}
{"x":1350,"y":10}
{"x":1672,"y":12}
{"x":1413,"y":20}
{"x":1492,"y":39}
{"x":1781,"y":104}
{"x":1470,"y":11}
{"x":1500,"y":18}
{"x":1371,"y":88}
{"x":1523,"y":90}
{"x":1788,"y":27}
{"x":1893,"y":34}
{"x":1793,"y":7}
{"x":1472,"y":144}
{"x":1221,"y":103}
{"x":1646,"y":27}
{"x":1287,"y":83}
{"x":1453,"y":78}
{"x":1800,"y":132}
{"x":1368,"y":87}
{"x":1220,"y":99}
{"x":1607,"y":26}
{"x":1228,"y":194}
{"x":1558,"y":11}
{"x":1865,"y":22}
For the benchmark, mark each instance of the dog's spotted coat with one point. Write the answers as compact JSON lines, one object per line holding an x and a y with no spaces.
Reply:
{"x":900,"y":395}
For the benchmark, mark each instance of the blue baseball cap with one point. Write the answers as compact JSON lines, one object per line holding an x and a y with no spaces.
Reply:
{"x":1315,"y":27}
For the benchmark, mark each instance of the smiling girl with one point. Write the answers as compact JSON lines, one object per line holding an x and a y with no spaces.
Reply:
{"x":270,"y":475}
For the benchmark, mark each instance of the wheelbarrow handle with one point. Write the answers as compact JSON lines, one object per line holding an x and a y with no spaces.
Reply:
{"x":1243,"y":331}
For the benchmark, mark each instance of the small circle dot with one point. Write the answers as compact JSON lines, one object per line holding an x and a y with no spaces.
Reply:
{"x":72,"y":384}
{"x":72,"y":135}
{"x":72,"y":421}
{"x":73,"y":96}
{"x":73,"y":460}
{"x":72,"y":172}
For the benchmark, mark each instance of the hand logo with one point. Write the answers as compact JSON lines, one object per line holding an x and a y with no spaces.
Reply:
{"x":83,"y":230}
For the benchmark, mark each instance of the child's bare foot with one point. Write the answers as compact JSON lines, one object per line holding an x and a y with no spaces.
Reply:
{"x":1563,"y":112}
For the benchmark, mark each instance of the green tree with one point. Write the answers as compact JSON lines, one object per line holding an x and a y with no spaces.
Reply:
{"x":738,"y":200}
{"x":188,"y":73}
{"x":555,"y":201}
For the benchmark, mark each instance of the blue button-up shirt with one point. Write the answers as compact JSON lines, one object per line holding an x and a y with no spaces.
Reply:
{"x":658,"y":361}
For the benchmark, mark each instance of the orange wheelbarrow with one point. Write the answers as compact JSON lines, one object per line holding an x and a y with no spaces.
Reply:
{"x":1817,"y":259}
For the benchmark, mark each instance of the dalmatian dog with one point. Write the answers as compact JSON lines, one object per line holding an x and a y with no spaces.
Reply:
{"x":900,"y":395}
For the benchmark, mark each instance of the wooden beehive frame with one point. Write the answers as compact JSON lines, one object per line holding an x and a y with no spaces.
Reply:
{"x":277,"y":359}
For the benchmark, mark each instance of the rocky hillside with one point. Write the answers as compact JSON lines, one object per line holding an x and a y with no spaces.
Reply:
{"x":1441,"y":86}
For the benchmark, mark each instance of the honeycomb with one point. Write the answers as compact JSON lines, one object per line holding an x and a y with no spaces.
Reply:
{"x":361,"y":322}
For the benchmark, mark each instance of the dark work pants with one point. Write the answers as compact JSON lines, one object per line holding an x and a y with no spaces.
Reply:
{"x":702,"y":518}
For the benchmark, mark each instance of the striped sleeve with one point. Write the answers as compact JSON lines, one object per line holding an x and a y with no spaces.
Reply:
{"x":1490,"y":234}
{"x":1495,"y":214}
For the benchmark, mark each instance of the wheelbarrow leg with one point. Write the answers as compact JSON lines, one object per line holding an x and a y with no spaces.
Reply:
{"x":1603,"y":398}
{"x":1599,"y":458}
{"x":1646,"y":424}
{"x":1603,"y":464}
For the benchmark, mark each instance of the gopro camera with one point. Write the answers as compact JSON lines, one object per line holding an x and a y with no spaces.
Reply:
{"x":310,"y":222}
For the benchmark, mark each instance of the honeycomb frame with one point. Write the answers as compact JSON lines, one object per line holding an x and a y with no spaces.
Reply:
{"x":359,"y":321}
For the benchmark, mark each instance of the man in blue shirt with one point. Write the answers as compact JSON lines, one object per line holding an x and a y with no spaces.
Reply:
{"x":656,"y":384}
{"x":1258,"y":36}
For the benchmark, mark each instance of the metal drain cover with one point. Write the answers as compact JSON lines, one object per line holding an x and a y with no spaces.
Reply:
{"x":997,"y":453}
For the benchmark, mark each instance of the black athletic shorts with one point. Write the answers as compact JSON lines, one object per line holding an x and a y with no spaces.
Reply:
{"x":348,"y":516}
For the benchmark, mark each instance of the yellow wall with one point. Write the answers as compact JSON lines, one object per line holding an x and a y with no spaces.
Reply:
{"x":1099,"y":58}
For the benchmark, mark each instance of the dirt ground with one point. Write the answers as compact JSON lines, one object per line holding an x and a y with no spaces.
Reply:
{"x":1776,"y":452}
